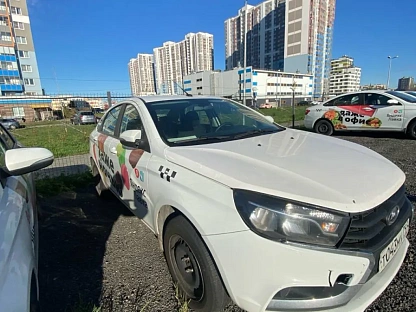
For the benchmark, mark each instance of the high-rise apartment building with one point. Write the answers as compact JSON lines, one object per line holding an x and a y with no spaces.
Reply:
{"x":134,"y":76}
{"x":406,"y":84}
{"x":142,"y":79}
{"x":168,"y":68}
{"x":174,"y":60}
{"x":344,"y":76}
{"x":19,"y":72}
{"x":289,"y":35}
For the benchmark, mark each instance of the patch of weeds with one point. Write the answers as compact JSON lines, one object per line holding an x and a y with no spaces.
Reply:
{"x":182,"y":302}
{"x":48,"y":187}
{"x":82,"y":306}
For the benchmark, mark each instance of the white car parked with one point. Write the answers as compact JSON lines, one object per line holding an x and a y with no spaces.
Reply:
{"x":273,"y":218}
{"x":18,"y":224}
{"x":364,"y":111}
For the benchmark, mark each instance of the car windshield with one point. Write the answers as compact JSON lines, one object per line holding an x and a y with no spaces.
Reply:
{"x":87,"y":114}
{"x":403,"y":96}
{"x":200,"y":121}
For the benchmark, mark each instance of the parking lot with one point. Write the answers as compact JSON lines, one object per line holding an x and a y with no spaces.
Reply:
{"x":94,"y":252}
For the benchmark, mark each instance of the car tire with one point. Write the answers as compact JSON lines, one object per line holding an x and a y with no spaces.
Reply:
{"x":324,"y":127}
{"x":34,"y":302}
{"x":411,"y":130}
{"x":192,"y":268}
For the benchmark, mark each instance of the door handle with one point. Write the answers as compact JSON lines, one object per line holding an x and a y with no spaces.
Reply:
{"x":94,"y":139}
{"x":367,"y":109}
{"x":113,"y":150}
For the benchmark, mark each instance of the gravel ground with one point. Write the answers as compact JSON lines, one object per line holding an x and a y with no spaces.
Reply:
{"x":94,"y":251}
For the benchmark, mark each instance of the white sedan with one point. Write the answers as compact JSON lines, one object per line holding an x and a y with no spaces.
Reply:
{"x":248,"y":210}
{"x":377,"y":110}
{"x":19,"y":290}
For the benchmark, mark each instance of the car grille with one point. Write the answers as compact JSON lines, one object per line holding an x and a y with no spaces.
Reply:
{"x":368,"y":229}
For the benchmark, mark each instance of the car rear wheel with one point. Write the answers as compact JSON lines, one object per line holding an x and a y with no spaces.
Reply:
{"x":324,"y":127}
{"x":192,"y":268}
{"x":411,"y":130}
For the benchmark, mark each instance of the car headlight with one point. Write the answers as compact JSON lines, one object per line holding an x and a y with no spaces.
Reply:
{"x":285,"y":220}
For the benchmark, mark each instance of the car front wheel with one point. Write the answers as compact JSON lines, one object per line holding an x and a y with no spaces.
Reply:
{"x":192,"y":267}
{"x":324,"y":127}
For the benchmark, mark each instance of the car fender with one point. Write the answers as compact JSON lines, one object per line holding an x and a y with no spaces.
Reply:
{"x":207,"y":204}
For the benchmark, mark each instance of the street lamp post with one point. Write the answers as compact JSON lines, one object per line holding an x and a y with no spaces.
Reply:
{"x":391,"y":58}
{"x":293,"y":101}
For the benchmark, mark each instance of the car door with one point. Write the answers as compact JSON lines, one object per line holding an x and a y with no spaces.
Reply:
{"x":18,"y":232}
{"x":105,"y":150}
{"x":344,"y":112}
{"x":382,"y":112}
{"x":133,"y":163}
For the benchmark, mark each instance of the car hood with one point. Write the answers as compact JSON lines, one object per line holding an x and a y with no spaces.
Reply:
{"x":297,"y":165}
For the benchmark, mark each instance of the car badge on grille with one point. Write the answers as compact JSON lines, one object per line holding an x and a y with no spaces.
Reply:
{"x":394,"y":214}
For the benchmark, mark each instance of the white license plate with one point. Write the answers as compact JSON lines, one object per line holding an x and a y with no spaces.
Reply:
{"x":390,"y":251}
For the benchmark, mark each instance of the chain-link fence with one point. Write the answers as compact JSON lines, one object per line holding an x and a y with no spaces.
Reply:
{"x":68,"y":165}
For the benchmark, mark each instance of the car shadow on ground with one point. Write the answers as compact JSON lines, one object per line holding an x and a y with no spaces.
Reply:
{"x":73,"y":231}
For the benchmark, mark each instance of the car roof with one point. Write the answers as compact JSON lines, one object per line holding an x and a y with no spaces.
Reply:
{"x":159,"y":98}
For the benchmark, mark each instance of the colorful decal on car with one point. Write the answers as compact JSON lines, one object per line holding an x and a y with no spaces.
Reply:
{"x":142,"y":176}
{"x":335,"y":118}
{"x":106,"y":166}
{"x":136,"y":172}
{"x":359,"y":110}
{"x":396,"y":116}
{"x":121,"y":155}
{"x":354,"y":115}
{"x":135,"y":156}
{"x":373,"y":122}
{"x":167,"y":174}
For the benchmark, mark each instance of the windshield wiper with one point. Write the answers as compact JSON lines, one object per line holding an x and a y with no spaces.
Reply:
{"x":253,"y":133}
{"x":205,"y":138}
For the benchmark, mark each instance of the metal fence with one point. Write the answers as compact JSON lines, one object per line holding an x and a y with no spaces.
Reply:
{"x":69,"y":165}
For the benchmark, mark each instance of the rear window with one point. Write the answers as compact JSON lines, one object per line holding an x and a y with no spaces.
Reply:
{"x":87,"y":114}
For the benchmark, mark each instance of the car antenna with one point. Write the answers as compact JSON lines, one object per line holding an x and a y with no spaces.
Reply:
{"x":187,"y":94}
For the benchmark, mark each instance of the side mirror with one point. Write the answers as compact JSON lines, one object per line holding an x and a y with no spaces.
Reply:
{"x":131,"y":138}
{"x":269,"y":118}
{"x":24,"y":160}
{"x":392,"y":102}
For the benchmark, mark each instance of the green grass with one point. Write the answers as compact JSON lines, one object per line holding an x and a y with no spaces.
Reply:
{"x":61,"y":139}
{"x":49,"y":187}
{"x":284,"y":114}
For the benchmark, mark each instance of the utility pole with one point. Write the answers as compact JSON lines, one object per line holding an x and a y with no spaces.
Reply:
{"x":245,"y":52}
{"x":388,"y":76}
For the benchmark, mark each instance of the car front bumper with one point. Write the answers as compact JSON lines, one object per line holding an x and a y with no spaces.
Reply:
{"x":256,"y":270}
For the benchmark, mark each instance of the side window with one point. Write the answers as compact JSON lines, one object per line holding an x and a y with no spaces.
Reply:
{"x":109,"y":124}
{"x":376,"y":99}
{"x":351,"y":99}
{"x":131,"y":119}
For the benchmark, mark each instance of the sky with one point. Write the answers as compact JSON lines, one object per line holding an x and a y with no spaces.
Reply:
{"x":84,"y":46}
